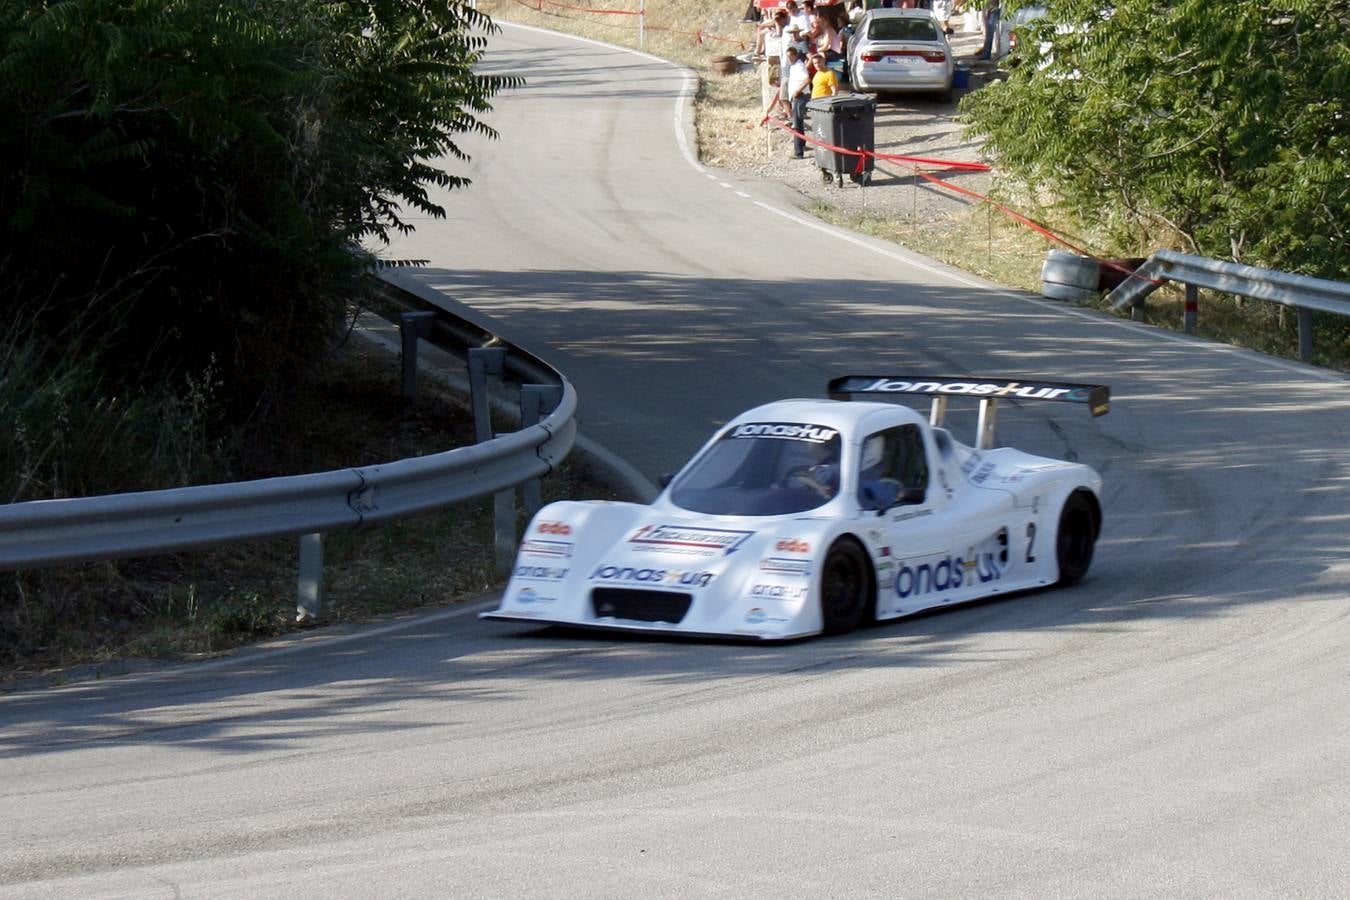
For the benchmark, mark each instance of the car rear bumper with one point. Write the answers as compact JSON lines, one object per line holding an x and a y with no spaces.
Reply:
{"x":884,"y":77}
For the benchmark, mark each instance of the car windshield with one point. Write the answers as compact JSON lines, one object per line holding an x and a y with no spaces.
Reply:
{"x":906,"y":29}
{"x":762,"y":469}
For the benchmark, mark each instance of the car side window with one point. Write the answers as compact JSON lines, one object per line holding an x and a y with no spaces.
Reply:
{"x":893,"y":460}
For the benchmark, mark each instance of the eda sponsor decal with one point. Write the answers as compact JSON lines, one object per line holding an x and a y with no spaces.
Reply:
{"x":562,"y":529}
{"x":791,"y":545}
{"x":633,"y":575}
{"x":939,"y":574}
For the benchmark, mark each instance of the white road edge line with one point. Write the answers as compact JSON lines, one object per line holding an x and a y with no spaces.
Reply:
{"x":998,"y":290}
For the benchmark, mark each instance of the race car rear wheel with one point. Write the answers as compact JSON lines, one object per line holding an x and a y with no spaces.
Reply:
{"x":1076,"y":538}
{"x":844,"y":588}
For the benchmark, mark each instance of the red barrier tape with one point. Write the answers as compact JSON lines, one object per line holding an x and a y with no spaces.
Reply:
{"x":954,"y":164}
{"x":913,"y":162}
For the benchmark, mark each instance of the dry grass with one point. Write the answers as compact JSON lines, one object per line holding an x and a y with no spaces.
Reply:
{"x":204,"y":603}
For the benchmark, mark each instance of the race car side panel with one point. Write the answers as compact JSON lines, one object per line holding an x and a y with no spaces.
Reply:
{"x":997,"y":534}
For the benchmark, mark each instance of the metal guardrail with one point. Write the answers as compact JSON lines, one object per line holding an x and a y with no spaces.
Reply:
{"x":42,"y":533}
{"x":1306,"y":294}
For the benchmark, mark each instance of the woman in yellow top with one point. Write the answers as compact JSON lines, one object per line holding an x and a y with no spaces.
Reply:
{"x":824,"y":83}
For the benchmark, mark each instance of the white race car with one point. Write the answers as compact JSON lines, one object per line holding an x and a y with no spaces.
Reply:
{"x":808,"y":516}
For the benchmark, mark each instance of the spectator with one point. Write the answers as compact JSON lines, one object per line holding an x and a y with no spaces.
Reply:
{"x":812,"y":20}
{"x":991,"y":16}
{"x":772,"y":24}
{"x":942,"y":11}
{"x":828,"y":40}
{"x":791,"y":38}
{"x":772,"y":36}
{"x":799,"y":17}
{"x":798,"y":82}
{"x":855,"y":13}
{"x":824,"y":83}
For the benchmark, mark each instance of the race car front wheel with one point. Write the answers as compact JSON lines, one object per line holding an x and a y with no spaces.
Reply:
{"x":1076,"y":538}
{"x":844,"y":587}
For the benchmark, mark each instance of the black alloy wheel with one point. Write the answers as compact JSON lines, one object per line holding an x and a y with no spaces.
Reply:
{"x":1076,"y":538}
{"x":843,"y":587}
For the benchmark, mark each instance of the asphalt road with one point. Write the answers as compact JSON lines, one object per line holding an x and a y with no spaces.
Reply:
{"x":1176,"y":725}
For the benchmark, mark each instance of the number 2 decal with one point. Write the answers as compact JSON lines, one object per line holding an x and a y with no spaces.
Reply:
{"x":1031,"y":541}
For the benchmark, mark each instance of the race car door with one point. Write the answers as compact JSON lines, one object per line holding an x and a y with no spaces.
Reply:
{"x":910,"y":540}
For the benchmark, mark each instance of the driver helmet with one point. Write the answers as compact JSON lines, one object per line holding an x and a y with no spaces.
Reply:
{"x":874,"y":449}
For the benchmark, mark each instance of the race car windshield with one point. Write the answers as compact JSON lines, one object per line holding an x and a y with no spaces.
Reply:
{"x":763,"y":469}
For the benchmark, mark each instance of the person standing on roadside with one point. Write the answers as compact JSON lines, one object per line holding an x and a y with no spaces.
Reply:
{"x":824,"y":83}
{"x":942,"y":11}
{"x":799,"y":84}
{"x":992,"y":13}
{"x":797,"y":16}
{"x":792,"y":37}
{"x":771,"y":34}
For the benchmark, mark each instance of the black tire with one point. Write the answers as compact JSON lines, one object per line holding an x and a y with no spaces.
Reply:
{"x":1076,"y":538}
{"x":845,"y":589}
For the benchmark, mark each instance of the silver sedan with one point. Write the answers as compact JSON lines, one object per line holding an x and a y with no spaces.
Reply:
{"x":900,"y":50}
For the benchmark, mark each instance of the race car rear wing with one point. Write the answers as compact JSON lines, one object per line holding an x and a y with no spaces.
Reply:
{"x":1096,"y":396}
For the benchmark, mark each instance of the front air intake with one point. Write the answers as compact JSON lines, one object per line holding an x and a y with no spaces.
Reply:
{"x":640,"y":606}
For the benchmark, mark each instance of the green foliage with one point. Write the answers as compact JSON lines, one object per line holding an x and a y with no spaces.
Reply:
{"x":1224,"y":124}
{"x":190,"y":179}
{"x":70,"y":431}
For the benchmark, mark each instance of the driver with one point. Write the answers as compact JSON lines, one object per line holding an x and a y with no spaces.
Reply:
{"x":819,"y":470}
{"x":876,"y":487}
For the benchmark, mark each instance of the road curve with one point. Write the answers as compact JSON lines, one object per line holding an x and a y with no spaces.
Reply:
{"x":1176,"y":725}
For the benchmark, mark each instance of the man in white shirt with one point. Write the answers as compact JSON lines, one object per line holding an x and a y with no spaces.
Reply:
{"x":799,"y":92}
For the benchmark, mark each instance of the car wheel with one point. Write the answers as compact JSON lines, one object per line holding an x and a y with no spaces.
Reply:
{"x":1076,"y":537}
{"x":844,"y":584}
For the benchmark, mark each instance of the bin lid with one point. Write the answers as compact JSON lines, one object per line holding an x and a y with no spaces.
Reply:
{"x":842,"y":101}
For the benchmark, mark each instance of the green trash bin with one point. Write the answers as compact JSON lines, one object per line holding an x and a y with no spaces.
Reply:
{"x":847,"y":121}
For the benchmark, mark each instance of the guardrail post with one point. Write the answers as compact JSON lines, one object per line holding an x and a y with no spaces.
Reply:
{"x":1139,"y":311}
{"x":1305,"y":334}
{"x":1192,"y":307}
{"x":411,"y":327}
{"x":485,"y":361}
{"x":310,"y":592}
{"x":535,"y":399}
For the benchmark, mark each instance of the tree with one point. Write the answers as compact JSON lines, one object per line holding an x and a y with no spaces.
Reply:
{"x":194,"y":176}
{"x":1225,"y":124}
